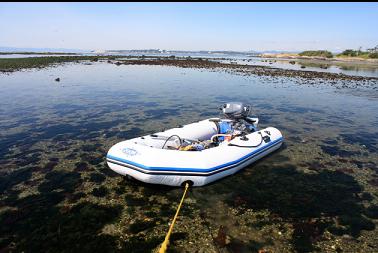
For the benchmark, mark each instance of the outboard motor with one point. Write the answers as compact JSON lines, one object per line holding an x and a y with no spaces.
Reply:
{"x":235,"y":110}
{"x":236,"y":114}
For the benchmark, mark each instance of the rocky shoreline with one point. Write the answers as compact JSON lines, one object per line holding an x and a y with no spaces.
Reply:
{"x":304,"y":76}
{"x":355,"y":60}
{"x":249,"y":69}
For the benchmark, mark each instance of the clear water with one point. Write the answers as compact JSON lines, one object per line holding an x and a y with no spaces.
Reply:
{"x":55,"y":135}
{"x":352,"y":69}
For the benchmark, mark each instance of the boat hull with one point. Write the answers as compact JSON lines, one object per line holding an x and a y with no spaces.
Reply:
{"x":174,"y":168}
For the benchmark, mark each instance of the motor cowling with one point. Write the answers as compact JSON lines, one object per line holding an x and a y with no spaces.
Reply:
{"x":235,"y":110}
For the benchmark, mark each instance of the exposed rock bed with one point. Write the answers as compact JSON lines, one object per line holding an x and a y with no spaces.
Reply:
{"x":307,"y":77}
{"x":302,"y":76}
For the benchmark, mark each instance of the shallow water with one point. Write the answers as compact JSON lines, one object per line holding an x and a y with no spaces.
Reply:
{"x":55,"y":135}
{"x":352,"y":69}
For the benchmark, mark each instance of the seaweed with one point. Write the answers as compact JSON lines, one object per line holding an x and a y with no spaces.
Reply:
{"x":67,"y":181}
{"x":133,"y":132}
{"x":97,"y":177}
{"x":57,"y":229}
{"x":369,"y":140}
{"x":14,"y":178}
{"x":81,"y":166}
{"x":161,"y":113}
{"x":372,"y":211}
{"x":132,"y":201}
{"x":337,"y":151}
{"x":305,"y":198}
{"x":101,"y":191}
{"x":141,"y":225}
{"x":140,"y":244}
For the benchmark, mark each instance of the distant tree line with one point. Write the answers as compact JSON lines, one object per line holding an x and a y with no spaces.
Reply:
{"x":369,"y":53}
{"x":320,"y":53}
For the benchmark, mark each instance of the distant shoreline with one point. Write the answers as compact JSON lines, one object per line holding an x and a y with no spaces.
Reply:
{"x":336,"y":59}
{"x":271,"y":56}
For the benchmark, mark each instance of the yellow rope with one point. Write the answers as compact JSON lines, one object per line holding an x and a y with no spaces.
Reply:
{"x":164,"y":245}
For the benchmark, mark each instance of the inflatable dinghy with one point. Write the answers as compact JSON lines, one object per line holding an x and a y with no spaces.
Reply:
{"x":197,"y":153}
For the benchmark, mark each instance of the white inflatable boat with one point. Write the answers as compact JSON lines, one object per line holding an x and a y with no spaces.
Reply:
{"x":197,"y":153}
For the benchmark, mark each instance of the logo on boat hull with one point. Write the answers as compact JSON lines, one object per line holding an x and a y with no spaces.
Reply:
{"x":129,"y":151}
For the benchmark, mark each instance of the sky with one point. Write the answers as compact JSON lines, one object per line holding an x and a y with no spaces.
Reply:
{"x":190,"y":26}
